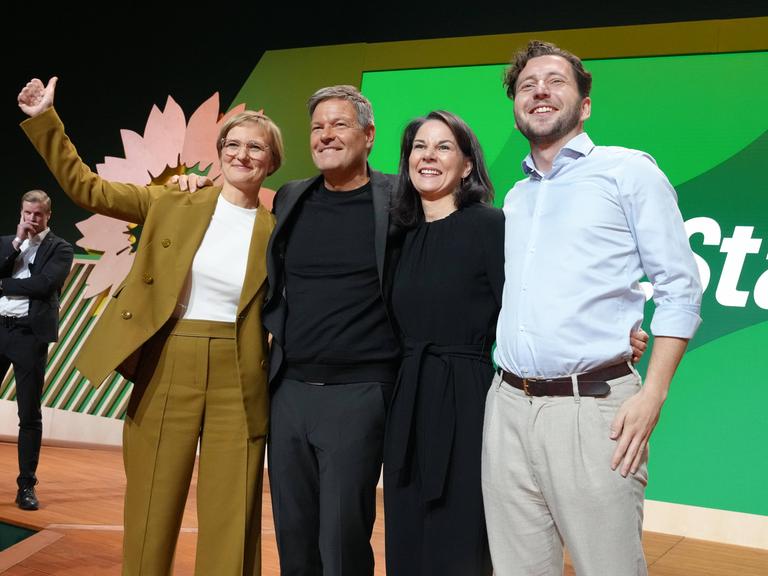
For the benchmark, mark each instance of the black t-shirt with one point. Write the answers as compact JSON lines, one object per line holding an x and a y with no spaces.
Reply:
{"x":337,"y":329}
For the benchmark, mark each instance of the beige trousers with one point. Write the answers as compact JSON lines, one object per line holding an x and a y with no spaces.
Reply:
{"x":547,"y":481}
{"x":187,"y":389}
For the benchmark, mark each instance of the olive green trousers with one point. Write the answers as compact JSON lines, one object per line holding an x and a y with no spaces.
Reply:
{"x":188,"y":389}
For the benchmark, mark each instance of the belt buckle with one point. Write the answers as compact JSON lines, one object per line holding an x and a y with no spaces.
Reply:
{"x":525,"y":385}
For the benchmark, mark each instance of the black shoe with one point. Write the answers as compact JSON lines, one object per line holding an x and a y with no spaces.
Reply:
{"x":27,"y":499}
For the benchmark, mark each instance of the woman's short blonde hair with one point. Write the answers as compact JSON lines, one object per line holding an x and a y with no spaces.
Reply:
{"x":264,"y":122}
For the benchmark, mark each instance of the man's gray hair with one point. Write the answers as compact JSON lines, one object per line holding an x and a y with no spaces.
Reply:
{"x":350,"y":94}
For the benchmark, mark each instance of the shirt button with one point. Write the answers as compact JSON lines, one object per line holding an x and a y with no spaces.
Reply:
{"x":147,"y":279}
{"x":126,"y":315}
{"x":263,"y":364}
{"x":522,"y":328}
{"x":166,"y":242}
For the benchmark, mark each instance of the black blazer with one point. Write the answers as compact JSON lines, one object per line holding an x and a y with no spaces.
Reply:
{"x":287,"y":198}
{"x":47,"y":275}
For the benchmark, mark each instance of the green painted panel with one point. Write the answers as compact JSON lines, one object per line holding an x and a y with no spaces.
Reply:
{"x":707,"y":450}
{"x":652,"y":104}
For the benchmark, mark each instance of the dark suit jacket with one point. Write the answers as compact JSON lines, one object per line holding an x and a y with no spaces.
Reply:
{"x":47,"y":275}
{"x":287,"y":199}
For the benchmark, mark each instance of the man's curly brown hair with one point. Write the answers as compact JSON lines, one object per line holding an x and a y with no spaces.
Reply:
{"x":538,"y":48}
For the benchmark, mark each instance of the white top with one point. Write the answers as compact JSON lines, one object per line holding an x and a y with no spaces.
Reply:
{"x":577,"y":242}
{"x":18,"y":306}
{"x":213,"y":286}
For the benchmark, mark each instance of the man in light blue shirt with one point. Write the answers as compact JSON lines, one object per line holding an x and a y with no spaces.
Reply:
{"x":567,"y":422}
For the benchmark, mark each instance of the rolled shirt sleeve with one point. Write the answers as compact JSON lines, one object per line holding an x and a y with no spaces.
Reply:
{"x":650,"y":203}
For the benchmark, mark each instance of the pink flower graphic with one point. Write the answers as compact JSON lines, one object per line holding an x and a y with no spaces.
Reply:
{"x":170,"y":145}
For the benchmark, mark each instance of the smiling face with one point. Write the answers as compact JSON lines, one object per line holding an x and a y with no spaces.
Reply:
{"x":340,"y":146}
{"x":36,"y":214}
{"x":548,"y":106}
{"x":436,"y":164}
{"x":246,"y":167}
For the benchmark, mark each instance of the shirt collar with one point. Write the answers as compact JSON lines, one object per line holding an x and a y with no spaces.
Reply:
{"x":579,"y":145}
{"x":37,"y":238}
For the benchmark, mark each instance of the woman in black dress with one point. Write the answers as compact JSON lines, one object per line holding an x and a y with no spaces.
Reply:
{"x":446,"y":298}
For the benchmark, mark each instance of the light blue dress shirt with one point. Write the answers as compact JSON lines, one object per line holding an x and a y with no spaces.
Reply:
{"x":577,"y":242}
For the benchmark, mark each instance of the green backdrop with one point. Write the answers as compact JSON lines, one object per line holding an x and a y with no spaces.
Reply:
{"x":703,"y":119}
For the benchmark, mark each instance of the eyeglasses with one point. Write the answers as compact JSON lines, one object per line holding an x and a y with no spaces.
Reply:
{"x":232,"y":148}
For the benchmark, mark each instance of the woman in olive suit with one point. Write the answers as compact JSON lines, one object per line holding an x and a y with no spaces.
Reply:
{"x":185,"y":327}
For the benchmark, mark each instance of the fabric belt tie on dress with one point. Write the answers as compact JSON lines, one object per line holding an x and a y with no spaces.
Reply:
{"x":437,"y":395}
{"x":594,"y":383}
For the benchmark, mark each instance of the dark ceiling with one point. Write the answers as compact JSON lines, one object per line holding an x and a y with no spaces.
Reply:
{"x":116,"y":61}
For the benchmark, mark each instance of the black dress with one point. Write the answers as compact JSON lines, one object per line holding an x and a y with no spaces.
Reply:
{"x":446,"y":299}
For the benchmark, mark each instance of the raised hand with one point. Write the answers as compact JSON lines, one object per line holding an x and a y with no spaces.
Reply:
{"x":23,"y":231}
{"x":35,"y":98}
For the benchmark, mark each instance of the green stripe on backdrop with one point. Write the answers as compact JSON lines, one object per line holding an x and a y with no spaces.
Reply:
{"x":118,"y":398}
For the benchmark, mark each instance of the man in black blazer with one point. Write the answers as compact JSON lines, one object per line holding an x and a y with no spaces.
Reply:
{"x":33,"y":267}
{"x":334,"y":351}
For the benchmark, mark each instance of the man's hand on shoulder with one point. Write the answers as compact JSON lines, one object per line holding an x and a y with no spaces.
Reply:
{"x":190,"y":182}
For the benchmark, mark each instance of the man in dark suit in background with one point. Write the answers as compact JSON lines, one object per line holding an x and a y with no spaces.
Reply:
{"x":334,"y":352}
{"x":33,"y":267}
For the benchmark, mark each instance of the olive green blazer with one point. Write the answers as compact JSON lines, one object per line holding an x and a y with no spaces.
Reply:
{"x":174,"y":224}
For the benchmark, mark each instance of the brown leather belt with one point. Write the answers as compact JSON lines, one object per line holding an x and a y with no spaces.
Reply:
{"x":594,"y":383}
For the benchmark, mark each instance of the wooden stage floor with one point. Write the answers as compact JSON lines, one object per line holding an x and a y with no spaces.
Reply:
{"x":80,"y":523}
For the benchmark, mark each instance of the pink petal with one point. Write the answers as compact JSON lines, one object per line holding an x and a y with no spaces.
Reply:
{"x":110,"y":271}
{"x":202,"y":131}
{"x":103,"y":234}
{"x":266,"y":197}
{"x":164,"y":136}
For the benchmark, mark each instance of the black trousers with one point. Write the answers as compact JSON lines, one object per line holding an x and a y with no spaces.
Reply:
{"x":21,"y":348}
{"x":325,"y":451}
